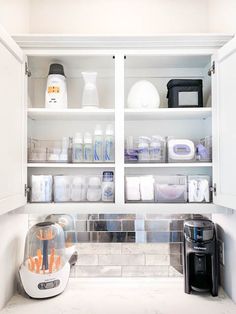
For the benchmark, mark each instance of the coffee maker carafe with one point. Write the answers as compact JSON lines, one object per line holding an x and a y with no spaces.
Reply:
{"x":200,"y":256}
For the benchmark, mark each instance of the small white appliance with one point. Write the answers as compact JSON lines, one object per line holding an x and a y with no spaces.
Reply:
{"x":45,"y":270}
{"x":143,"y":95}
{"x":56,"y":90}
{"x":180,"y":150}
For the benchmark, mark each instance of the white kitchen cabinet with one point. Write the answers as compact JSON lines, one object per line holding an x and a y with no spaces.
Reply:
{"x":224,"y":126}
{"x":12,"y":125}
{"x":120,"y":61}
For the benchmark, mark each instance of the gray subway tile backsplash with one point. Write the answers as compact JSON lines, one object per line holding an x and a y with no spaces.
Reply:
{"x":114,"y":245}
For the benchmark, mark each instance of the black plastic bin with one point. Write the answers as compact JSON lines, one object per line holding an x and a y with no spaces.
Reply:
{"x":184,"y":93}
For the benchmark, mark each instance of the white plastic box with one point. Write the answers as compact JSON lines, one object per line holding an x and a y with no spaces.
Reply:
{"x":181,"y":150}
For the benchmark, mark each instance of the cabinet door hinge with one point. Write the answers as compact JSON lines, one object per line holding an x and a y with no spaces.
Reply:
{"x":27,"y":71}
{"x":213,"y":189}
{"x":27,"y":190}
{"x":212,"y":69}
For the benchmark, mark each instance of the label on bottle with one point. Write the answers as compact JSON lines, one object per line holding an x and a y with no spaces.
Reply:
{"x":78,"y":153}
{"x":107,"y":193}
{"x":87,"y":153}
{"x":53,"y":89}
{"x":98,"y":151}
{"x":108,"y":154}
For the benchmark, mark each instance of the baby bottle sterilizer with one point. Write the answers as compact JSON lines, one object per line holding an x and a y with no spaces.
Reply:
{"x":45,"y":270}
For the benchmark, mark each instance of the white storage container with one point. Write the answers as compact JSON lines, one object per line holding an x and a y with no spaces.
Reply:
{"x":199,"y":189}
{"x":181,"y":150}
{"x":171,"y":189}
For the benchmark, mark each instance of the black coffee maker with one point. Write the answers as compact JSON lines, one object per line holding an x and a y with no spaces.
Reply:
{"x":200,"y":256}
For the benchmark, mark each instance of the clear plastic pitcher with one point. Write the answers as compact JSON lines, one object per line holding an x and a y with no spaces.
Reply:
{"x":90,"y":94}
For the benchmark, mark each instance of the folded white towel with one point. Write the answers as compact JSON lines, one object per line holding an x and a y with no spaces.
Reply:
{"x":147,"y":188}
{"x":132,"y":189}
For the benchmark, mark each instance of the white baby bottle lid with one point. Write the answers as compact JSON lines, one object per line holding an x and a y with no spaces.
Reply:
{"x":78,"y":138}
{"x":87,"y":138}
{"x":65,"y":142}
{"x":98,"y":130}
{"x":109,"y":130}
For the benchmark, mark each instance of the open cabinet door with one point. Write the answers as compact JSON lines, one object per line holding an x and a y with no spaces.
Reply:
{"x":12,"y":125}
{"x":224,"y":125}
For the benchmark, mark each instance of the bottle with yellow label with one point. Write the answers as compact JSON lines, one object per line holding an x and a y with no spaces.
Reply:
{"x":56,"y":91}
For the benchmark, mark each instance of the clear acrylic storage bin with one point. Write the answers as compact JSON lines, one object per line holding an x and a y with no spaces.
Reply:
{"x":78,"y":188}
{"x":139,"y":188}
{"x":181,"y":150}
{"x":49,"y":150}
{"x":204,"y":149}
{"x":171,"y":189}
{"x":199,"y":189}
{"x":41,"y":189}
{"x":145,"y":149}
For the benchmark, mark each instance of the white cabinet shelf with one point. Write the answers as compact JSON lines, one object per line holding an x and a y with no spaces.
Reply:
{"x":170,"y":165}
{"x":64,"y":165}
{"x":71,"y":114}
{"x":168,"y":114}
{"x":102,"y":208}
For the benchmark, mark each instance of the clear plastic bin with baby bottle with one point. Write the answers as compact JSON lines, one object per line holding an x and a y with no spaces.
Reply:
{"x":73,"y":188}
{"x":145,"y":149}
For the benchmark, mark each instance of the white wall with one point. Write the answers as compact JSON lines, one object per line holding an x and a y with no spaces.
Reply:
{"x":226,"y":232}
{"x":222,"y":17}
{"x":12,"y":234}
{"x":118,"y":16}
{"x":14,"y":16}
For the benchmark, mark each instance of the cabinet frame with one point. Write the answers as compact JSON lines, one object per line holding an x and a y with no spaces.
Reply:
{"x":163,"y":45}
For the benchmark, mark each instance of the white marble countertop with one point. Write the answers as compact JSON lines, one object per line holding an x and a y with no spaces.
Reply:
{"x":123,"y":296}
